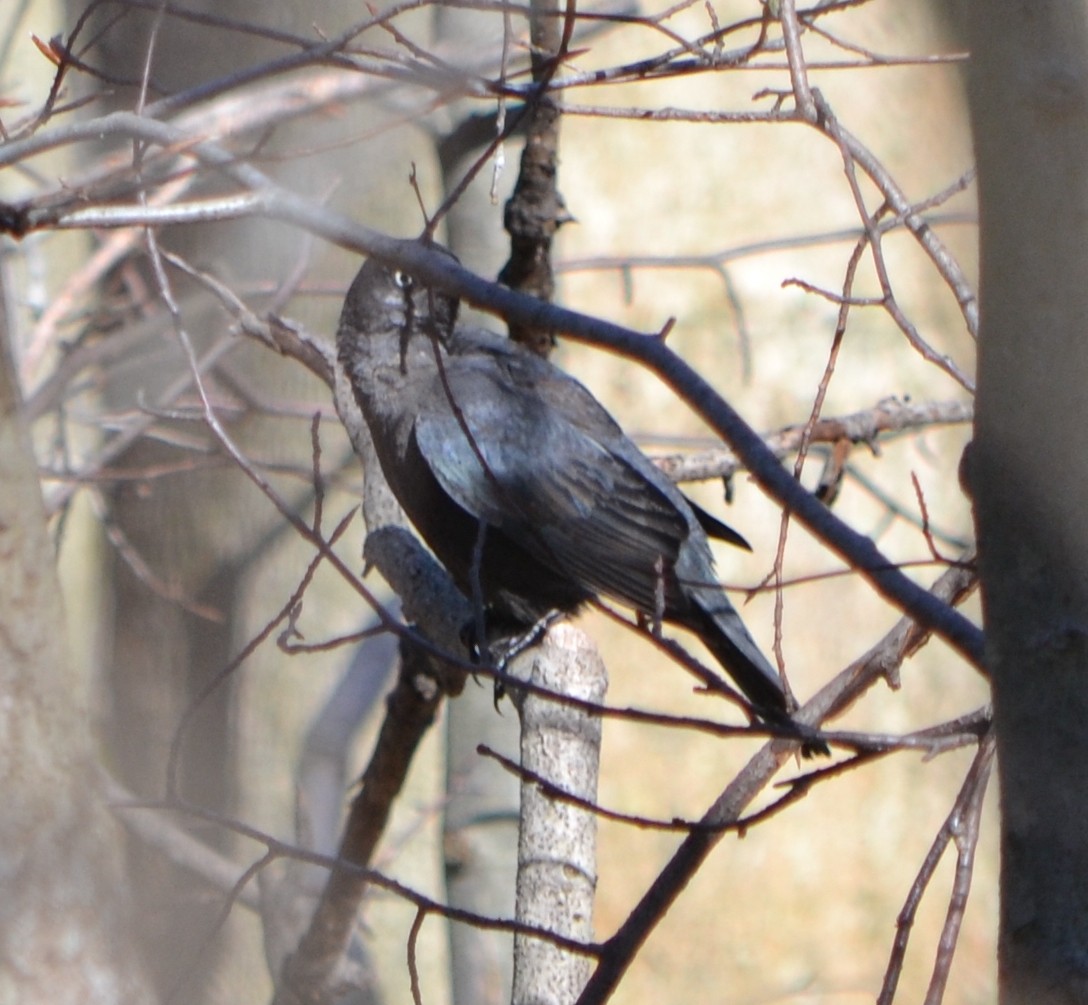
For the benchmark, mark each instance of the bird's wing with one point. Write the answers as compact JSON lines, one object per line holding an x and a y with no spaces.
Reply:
{"x":585,"y":505}
{"x":580,"y":408}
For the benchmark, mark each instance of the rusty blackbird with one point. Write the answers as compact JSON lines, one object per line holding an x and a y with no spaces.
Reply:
{"x":521,"y":483}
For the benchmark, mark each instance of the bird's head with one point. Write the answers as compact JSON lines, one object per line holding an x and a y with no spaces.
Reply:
{"x":386,"y":300}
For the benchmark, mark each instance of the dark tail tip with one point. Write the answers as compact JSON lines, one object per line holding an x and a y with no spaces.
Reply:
{"x":788,"y":728}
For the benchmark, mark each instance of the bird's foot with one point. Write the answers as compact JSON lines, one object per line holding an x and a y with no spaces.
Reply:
{"x":510,"y":648}
{"x":495,"y":645}
{"x":515,"y":645}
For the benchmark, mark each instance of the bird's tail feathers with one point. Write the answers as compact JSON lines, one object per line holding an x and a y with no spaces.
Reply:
{"x":721,"y":630}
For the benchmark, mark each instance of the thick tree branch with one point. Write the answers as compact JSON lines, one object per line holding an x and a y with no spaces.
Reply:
{"x":437,"y":270}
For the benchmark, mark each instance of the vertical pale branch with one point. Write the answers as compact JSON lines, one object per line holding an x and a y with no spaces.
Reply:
{"x":557,"y":850}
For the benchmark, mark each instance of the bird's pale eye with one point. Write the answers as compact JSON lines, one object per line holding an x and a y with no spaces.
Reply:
{"x":402,"y":279}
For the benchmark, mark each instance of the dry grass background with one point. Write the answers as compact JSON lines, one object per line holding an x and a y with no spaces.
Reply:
{"x":803,"y":908}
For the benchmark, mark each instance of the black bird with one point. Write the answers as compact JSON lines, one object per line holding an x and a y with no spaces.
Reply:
{"x":493,"y":452}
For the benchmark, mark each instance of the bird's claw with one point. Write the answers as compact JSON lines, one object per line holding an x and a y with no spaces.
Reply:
{"x":506,"y":650}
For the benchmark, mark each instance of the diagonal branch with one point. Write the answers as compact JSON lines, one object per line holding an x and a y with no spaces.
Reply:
{"x":622,"y":947}
{"x":436,"y":269}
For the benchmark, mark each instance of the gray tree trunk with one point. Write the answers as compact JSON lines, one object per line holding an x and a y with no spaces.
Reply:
{"x":64,"y":933}
{"x":1028,"y":470}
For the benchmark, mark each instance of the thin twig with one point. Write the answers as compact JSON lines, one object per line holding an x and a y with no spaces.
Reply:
{"x":961,"y":823}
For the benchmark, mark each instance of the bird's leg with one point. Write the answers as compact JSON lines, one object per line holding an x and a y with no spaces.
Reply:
{"x":517,"y":644}
{"x":490,"y":643}
{"x":474,"y":638}
{"x":513,"y":646}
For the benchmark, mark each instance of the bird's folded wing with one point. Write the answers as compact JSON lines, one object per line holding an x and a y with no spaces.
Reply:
{"x":576,"y":503}
{"x":577,"y":405}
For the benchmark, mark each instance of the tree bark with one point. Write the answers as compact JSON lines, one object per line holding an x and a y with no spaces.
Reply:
{"x":1029,"y":477}
{"x":64,"y":933}
{"x":557,"y":843}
